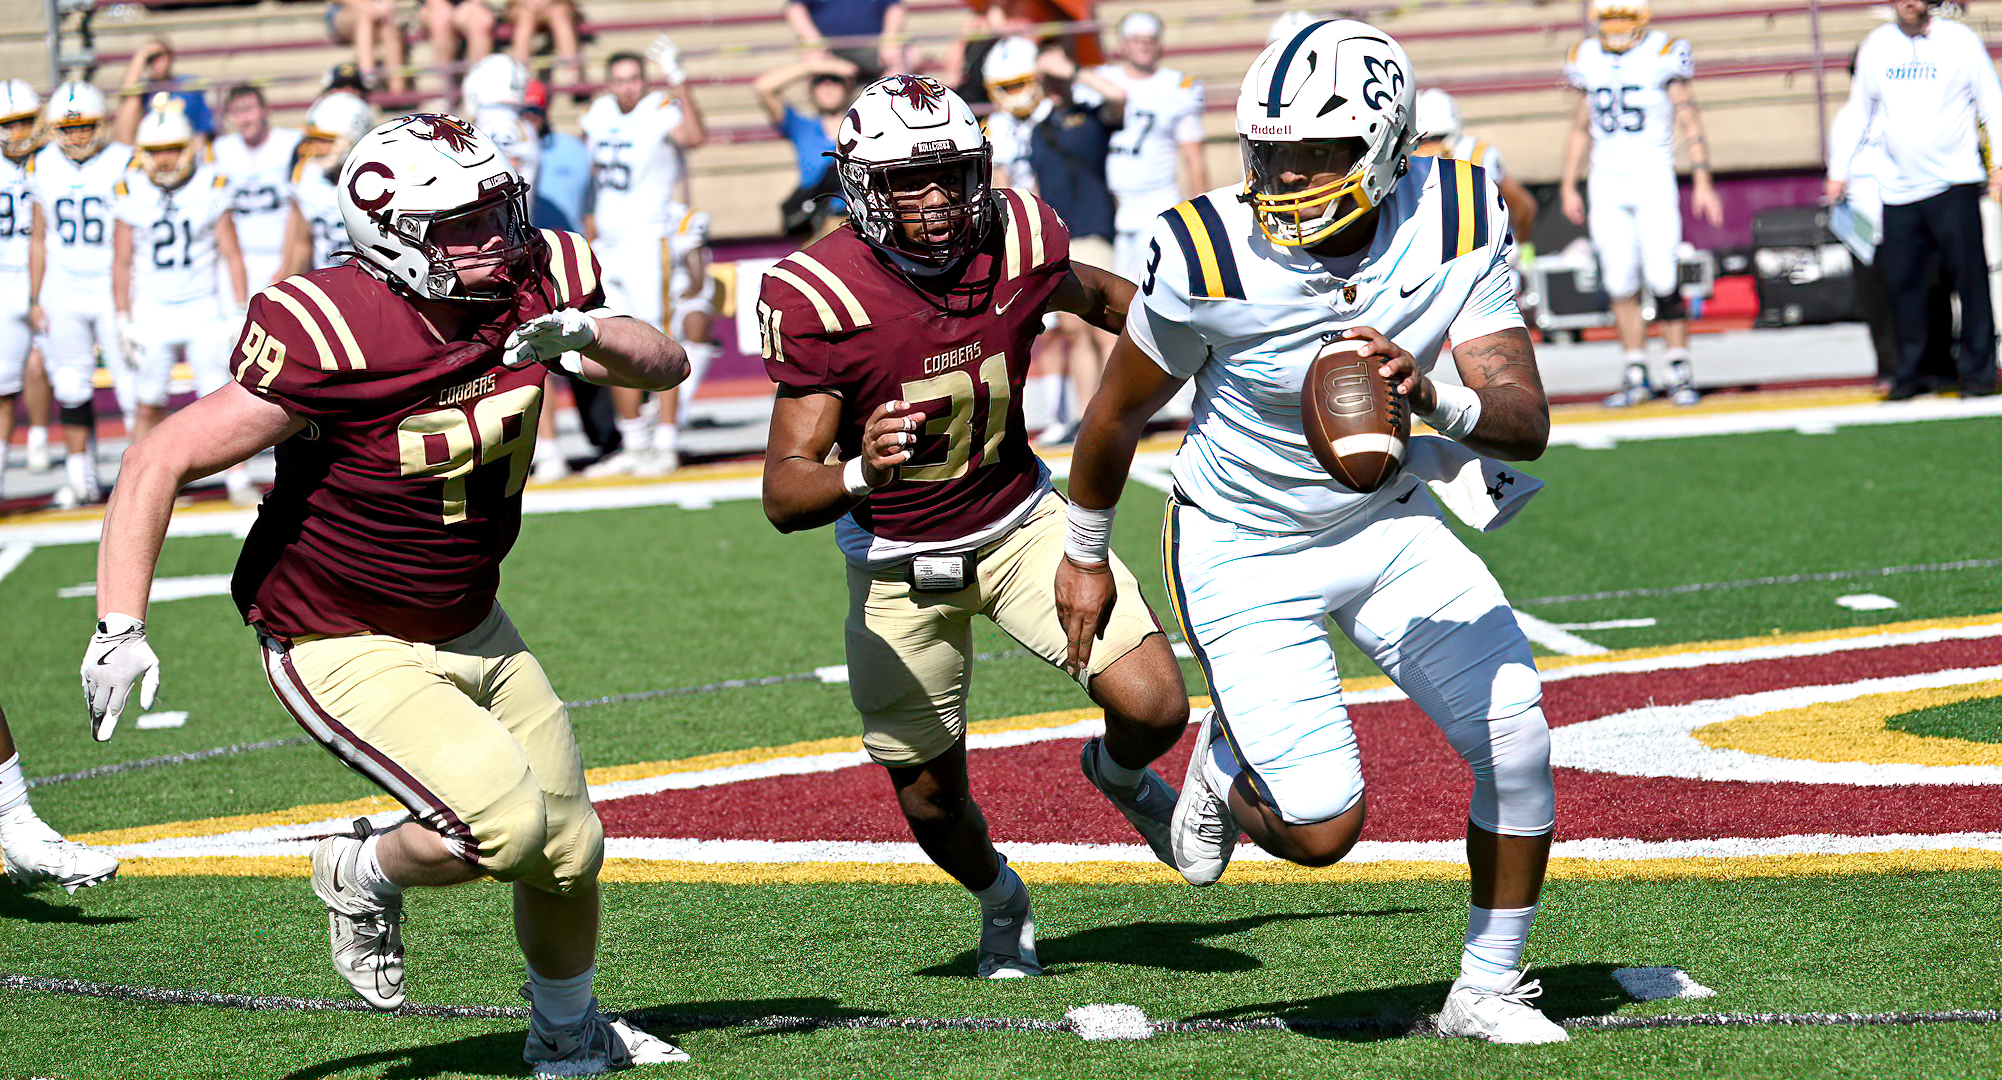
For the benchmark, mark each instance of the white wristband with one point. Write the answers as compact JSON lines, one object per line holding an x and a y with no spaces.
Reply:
{"x":1088,"y":536}
{"x":1459,"y":409}
{"x":852,"y":480}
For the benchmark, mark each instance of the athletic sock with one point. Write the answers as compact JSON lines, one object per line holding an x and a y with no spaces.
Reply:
{"x":82,"y":472}
{"x":667,"y":438}
{"x":13,"y":786}
{"x":1053,"y":395}
{"x":1117,"y":775}
{"x":700,"y":355}
{"x":369,"y":874}
{"x":1495,"y":940}
{"x":634,"y":435}
{"x":561,"y":1003}
{"x":38,"y":438}
{"x":996,"y":897}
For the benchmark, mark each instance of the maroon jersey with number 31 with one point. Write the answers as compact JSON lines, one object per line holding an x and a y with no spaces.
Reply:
{"x":837,"y":317}
{"x":392,"y":510}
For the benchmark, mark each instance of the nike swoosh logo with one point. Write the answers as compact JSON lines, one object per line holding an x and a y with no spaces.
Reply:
{"x":1406,"y":293}
{"x":102,"y":660}
{"x":1002,"y":309}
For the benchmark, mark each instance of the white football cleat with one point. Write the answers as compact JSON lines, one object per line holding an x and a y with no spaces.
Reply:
{"x":1498,"y":1016}
{"x":41,"y":456}
{"x":622,"y":463}
{"x":1634,"y":388}
{"x":549,"y":468}
{"x":1008,"y":940}
{"x":364,"y":932}
{"x":1203,"y":832}
{"x":596,"y":1046}
{"x":1149,"y":806}
{"x":657,"y":463}
{"x":35,"y":854}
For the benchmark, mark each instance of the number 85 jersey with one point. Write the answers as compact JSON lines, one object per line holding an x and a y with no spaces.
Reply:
{"x":1631,"y":118}
{"x":392,"y":510}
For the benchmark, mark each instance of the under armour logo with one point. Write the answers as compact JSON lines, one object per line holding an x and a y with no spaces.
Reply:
{"x":1502,"y":480}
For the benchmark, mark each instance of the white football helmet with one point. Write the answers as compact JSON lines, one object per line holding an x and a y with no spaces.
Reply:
{"x":76,"y":111}
{"x":1324,"y":120}
{"x":334,"y":125}
{"x":906,"y":124}
{"x":1014,"y":84}
{"x":497,"y":79}
{"x":1622,"y":23}
{"x":165,"y":142}
{"x":406,"y":177}
{"x":20,"y":107}
{"x":1438,"y":116}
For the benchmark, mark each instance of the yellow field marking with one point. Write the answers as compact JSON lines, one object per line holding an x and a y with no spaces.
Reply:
{"x":297,"y":815}
{"x":1855,"y":730}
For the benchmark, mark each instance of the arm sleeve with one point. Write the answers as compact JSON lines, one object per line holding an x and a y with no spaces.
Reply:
{"x":1189,"y":125}
{"x":1163,"y":324}
{"x":1490,"y":306}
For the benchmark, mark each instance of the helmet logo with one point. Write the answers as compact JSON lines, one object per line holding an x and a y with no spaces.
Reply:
{"x":854,"y":124}
{"x":455,"y":133}
{"x":921,"y":93}
{"x":1385,"y":80}
{"x":371,"y":203}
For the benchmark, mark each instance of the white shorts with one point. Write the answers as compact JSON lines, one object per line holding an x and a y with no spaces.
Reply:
{"x":17,"y":339}
{"x":633,"y":280}
{"x":1254,"y":606}
{"x":198,"y":331}
{"x":1131,"y":226}
{"x":1636,"y":224}
{"x":82,"y":321}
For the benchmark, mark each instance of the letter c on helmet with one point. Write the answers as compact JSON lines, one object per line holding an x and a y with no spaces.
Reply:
{"x":374,"y":202}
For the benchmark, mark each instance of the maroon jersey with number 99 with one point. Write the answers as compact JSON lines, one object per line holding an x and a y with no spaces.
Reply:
{"x":392,"y":510}
{"x":837,"y":317}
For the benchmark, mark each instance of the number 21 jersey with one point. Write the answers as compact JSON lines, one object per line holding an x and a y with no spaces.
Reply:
{"x":1631,"y":117}
{"x":173,"y":235}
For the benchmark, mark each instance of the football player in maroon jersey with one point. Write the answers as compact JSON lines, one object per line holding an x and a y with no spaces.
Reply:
{"x":401,"y":390}
{"x":904,"y":340}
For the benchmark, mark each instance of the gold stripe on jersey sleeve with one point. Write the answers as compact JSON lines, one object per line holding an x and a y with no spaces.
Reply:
{"x":1011,"y":241}
{"x":828,"y":320}
{"x":1205,"y":249}
{"x":587,"y":278}
{"x":338,"y":321}
{"x":559,"y":264}
{"x":1466,"y":239}
{"x":285,"y":299}
{"x":840,"y":288}
{"x":1033,"y":212}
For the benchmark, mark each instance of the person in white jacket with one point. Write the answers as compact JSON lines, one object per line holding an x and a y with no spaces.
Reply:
{"x":1924,"y":83}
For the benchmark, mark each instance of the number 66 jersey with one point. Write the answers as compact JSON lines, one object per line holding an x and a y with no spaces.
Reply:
{"x":392,"y":510}
{"x":837,"y":318}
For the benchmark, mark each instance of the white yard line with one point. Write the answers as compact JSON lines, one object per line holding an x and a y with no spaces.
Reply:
{"x":12,"y":554}
{"x":1556,"y":638}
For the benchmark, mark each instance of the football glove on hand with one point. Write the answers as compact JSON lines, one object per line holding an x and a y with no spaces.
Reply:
{"x":117,"y":659}
{"x":553,"y":339}
{"x":129,"y":341}
{"x":667,"y":56}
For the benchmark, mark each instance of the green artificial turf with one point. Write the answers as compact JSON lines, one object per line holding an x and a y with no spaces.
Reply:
{"x":1976,"y":719}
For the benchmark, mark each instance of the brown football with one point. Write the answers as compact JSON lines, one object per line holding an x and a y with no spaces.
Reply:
{"x":1356,"y":426}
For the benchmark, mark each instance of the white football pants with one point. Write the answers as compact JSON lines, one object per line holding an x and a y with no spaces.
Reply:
{"x":81,"y":320}
{"x":633,"y":280}
{"x":16,"y":337}
{"x":198,"y":331}
{"x":1132,"y":223}
{"x":1636,"y":225}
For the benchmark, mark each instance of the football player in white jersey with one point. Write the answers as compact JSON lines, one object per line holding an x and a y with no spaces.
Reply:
{"x":1634,"y":90}
{"x":491,"y":96}
{"x":639,"y":182}
{"x":19,"y":108}
{"x":1164,"y":129}
{"x":69,"y":268}
{"x":1441,"y":133}
{"x":172,"y":242}
{"x":314,"y":233}
{"x":1337,"y":240}
{"x":1015,"y":88}
{"x":257,"y":158}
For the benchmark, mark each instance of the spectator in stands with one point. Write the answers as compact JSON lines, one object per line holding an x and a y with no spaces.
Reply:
{"x":152,"y":70}
{"x":345,"y":77}
{"x":373,"y":27}
{"x":560,"y":16}
{"x":1068,"y":147}
{"x":1926,"y":82}
{"x":452,"y":23}
{"x":563,"y":187}
{"x":830,"y":88}
{"x":817,"y":20}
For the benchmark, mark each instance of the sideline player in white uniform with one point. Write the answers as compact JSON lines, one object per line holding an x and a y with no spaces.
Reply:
{"x":1343,"y":240}
{"x":1164,"y":129}
{"x":1442,"y":134}
{"x":19,"y":108}
{"x":172,"y":241}
{"x":639,"y":182}
{"x":491,"y":96}
{"x":1634,"y":89}
{"x":1015,"y":88}
{"x":314,"y":233}
{"x":69,"y":269}
{"x":257,"y":158}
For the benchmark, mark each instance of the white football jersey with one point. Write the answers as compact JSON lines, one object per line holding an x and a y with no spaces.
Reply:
{"x":504,"y":125}
{"x":76,"y":207}
{"x":318,"y":200}
{"x":1163,"y":111}
{"x":1008,"y":135}
{"x":258,"y":177}
{"x":636,"y":166}
{"x":1245,"y":317}
{"x":1468,"y":148}
{"x":173,"y":235}
{"x":1632,"y":120}
{"x":17,"y":218}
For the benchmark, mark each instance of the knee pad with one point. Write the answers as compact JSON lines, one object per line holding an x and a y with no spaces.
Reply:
{"x":84,"y":415}
{"x":511,"y":838}
{"x":1510,"y":758}
{"x":1670,"y":306}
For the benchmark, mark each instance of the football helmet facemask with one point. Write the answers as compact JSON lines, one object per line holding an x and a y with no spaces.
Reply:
{"x":1014,"y":84}
{"x":1324,"y":121}
{"x":76,"y":111}
{"x":1622,"y":23}
{"x":912,"y":160}
{"x":20,"y":108}
{"x":419,"y":184}
{"x":165,"y":143}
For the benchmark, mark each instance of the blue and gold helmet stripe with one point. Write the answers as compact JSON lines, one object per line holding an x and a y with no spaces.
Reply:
{"x":1206,"y":249}
{"x":1286,"y":61}
{"x":1464,"y":220}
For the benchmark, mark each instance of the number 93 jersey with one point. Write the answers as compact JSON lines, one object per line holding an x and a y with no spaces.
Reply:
{"x":173,"y":235}
{"x":837,"y":318}
{"x":393,"y":508}
{"x":1631,"y":118}
{"x":1245,"y":317}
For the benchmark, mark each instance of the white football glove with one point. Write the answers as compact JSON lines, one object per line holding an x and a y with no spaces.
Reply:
{"x":130,"y":342}
{"x":118,"y":659}
{"x":554,"y":339}
{"x":667,"y":56}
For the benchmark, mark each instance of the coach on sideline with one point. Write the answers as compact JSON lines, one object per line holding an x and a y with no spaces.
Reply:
{"x":1930,"y":79}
